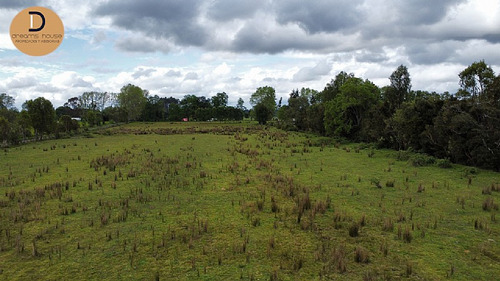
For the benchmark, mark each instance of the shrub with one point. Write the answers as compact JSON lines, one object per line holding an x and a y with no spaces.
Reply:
{"x":419,"y":160}
{"x":403,"y":155}
{"x":443,"y":163}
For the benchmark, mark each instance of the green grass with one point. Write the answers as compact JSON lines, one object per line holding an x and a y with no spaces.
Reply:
{"x":225,"y":201}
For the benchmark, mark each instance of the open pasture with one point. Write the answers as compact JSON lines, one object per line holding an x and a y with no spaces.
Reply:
{"x":228,"y":201}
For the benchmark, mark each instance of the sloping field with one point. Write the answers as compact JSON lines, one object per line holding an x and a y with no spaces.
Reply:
{"x":230,"y":201}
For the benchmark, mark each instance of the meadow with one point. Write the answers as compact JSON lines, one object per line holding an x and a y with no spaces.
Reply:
{"x":227,"y":201}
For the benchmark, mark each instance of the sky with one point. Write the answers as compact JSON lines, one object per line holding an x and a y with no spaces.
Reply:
{"x":200,"y":47}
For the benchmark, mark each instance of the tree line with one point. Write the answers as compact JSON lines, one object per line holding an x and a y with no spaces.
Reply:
{"x":38,"y":118}
{"x":463,"y":127}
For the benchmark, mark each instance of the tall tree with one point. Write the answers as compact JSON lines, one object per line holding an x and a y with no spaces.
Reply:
{"x":475,"y":79}
{"x":399,"y":90}
{"x":132,"y":100}
{"x":6,"y":101}
{"x":93,"y":100}
{"x":333,"y":88}
{"x":42,"y":116}
{"x":344,"y":114}
{"x":265,"y":96}
{"x":298,"y":104}
{"x":492,"y":93}
{"x":241,"y":104}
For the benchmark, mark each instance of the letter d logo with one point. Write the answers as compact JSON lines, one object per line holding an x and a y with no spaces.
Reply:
{"x":31,"y":13}
{"x":36,"y":31}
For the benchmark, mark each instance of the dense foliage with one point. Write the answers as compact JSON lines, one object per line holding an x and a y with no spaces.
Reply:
{"x":464,"y":128}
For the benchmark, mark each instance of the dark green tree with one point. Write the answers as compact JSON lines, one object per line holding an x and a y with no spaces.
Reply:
{"x":4,"y":129}
{"x":400,"y":89}
{"x":262,"y":113}
{"x":219,"y":100}
{"x":42,"y":116}
{"x":492,"y":93}
{"x":332,"y":89}
{"x":344,"y":114}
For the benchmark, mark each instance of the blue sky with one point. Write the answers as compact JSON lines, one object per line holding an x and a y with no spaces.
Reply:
{"x":174,"y":48}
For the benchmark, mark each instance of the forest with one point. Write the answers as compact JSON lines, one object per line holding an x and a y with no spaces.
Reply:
{"x":463,"y":127}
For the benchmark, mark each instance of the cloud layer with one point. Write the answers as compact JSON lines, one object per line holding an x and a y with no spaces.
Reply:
{"x":176,"y":47}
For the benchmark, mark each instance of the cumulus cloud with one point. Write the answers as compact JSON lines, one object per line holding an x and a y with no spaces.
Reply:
{"x":324,"y":26}
{"x":146,"y":72}
{"x":191,"y":76}
{"x":312,"y":73}
{"x":203,"y":47}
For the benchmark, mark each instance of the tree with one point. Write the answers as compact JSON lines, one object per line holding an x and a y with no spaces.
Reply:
{"x":132,"y":100}
{"x":407,"y":125}
{"x":67,"y":124}
{"x":73,"y":103}
{"x":492,"y":93}
{"x":6,"y":101}
{"x":262,"y":113}
{"x":94,"y":100}
{"x":219,"y":100}
{"x":4,"y":129}
{"x":265,"y":96}
{"x":399,"y":90}
{"x":154,"y":110}
{"x":241,"y":105}
{"x":189,"y":105}
{"x":24,"y":123}
{"x":42,"y":116}
{"x":93,"y":117}
{"x":333,"y":88}
{"x":175,"y":112}
{"x":475,"y":79}
{"x":298,"y":104}
{"x":343,"y":114}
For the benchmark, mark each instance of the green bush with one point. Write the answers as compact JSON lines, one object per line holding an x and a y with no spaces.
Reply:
{"x":404,"y":155}
{"x":419,"y":160}
{"x":443,"y":163}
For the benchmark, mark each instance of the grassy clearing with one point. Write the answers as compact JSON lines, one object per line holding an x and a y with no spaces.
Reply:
{"x":225,"y":201}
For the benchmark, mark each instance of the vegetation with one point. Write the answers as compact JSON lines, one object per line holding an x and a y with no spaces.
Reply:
{"x":189,"y":200}
{"x":462,"y":128}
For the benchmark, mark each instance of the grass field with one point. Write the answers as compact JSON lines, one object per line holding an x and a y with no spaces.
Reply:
{"x":228,"y":201}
